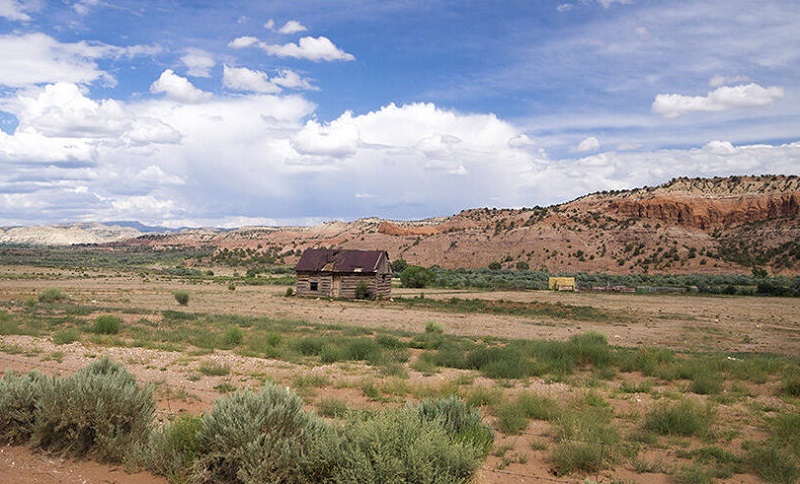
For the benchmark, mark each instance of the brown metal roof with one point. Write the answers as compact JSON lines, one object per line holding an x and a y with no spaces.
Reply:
{"x":340,"y":260}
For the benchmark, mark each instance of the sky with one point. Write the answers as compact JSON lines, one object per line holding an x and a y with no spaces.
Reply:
{"x":235,"y":113}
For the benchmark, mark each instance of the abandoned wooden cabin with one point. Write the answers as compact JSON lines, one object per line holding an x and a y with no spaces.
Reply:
{"x":344,"y":273}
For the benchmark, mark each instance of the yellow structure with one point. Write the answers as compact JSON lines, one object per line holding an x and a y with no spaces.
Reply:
{"x":562,"y":284}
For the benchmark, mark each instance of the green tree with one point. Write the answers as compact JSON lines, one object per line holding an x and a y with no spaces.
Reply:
{"x":416,"y":276}
{"x":399,"y":266}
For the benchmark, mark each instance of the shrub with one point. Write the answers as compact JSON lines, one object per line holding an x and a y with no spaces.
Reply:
{"x":211,"y":368}
{"x":289,"y":292}
{"x":646,"y":359}
{"x":592,"y":349}
{"x":256,"y":437}
{"x":399,"y":446}
{"x":773,"y":463}
{"x":332,"y":408}
{"x":18,"y":398}
{"x":182,"y":297}
{"x":587,"y":441}
{"x":52,"y":295}
{"x":172,"y":449}
{"x":459,"y":420}
{"x":362,"y":349}
{"x":511,"y":418}
{"x":683,"y":418}
{"x":416,"y":277}
{"x":232,"y":286}
{"x":98,"y":411}
{"x":791,"y":382}
{"x":233,"y":336}
{"x":66,"y":336}
{"x":362,"y":291}
{"x":433,"y":327}
{"x":106,"y":325}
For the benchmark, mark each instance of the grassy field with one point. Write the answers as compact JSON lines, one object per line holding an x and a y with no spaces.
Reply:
{"x":575,"y":387}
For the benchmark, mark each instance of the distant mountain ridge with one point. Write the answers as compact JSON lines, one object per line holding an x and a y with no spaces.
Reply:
{"x":688,"y":225}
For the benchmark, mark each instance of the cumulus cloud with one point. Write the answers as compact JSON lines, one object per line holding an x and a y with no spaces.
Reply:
{"x":589,"y":144}
{"x":720,"y":99}
{"x":243,"y":42}
{"x":338,"y":139}
{"x":292,"y":27}
{"x":178,"y":88}
{"x":198,"y":62}
{"x":31,"y":59}
{"x":315,"y":49}
{"x":244,"y":79}
{"x":15,"y":10}
{"x":289,"y":79}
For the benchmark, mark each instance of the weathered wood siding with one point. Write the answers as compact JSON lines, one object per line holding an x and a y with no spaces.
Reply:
{"x":324,"y":284}
{"x":377,"y":285}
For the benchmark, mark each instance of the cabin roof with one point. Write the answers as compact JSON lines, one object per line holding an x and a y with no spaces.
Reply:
{"x":340,"y":260}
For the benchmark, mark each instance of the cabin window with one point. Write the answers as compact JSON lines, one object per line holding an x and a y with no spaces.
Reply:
{"x":314,"y":286}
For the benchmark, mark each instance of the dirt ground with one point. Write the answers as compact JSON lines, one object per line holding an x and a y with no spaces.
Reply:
{"x":680,"y":322}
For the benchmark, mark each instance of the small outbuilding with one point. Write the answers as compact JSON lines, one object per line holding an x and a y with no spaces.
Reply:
{"x":343,"y":273}
{"x":562,"y":284}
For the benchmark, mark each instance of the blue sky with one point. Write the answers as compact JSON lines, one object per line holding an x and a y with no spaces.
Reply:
{"x":248,"y":113}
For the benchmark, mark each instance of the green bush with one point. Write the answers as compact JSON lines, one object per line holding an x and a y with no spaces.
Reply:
{"x":399,"y":446}
{"x":52,"y":295}
{"x":233,"y":336}
{"x":256,"y":438}
{"x":362,"y":291}
{"x":463,"y":423}
{"x":99,"y":411}
{"x":646,"y":359}
{"x":66,"y":336}
{"x":586,"y":440}
{"x":106,"y":325}
{"x":416,"y":277}
{"x":182,"y":297}
{"x":433,"y":327}
{"x":173,"y":448}
{"x":684,"y":418}
{"x":791,"y":382}
{"x":773,"y":464}
{"x":18,"y":398}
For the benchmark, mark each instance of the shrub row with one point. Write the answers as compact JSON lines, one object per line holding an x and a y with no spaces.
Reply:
{"x":247,"y":437}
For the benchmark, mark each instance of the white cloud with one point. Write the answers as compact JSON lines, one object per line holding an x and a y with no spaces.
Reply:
{"x":62,"y":110}
{"x":589,"y":144}
{"x":338,"y":139}
{"x":309,"y":48}
{"x":292,"y":80}
{"x":83,"y":7}
{"x":244,"y":79}
{"x":609,"y":3}
{"x":198,"y":62}
{"x":720,"y":99}
{"x":270,"y":25}
{"x":36,"y":58}
{"x":292,"y":27}
{"x":243,"y":42}
{"x":15,"y":10}
{"x":178,"y":88}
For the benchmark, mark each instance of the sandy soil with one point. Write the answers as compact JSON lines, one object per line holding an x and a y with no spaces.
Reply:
{"x":730,"y":324}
